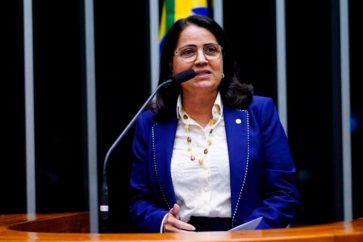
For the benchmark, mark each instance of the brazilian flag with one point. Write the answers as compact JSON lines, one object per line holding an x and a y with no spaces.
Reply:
{"x":172,"y":10}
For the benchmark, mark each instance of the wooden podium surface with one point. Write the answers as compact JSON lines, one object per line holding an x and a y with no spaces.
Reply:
{"x":74,"y":227}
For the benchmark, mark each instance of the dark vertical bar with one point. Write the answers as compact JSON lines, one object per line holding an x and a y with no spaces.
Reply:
{"x":311,"y":108}
{"x":337,"y":110}
{"x":60,"y":162}
{"x":122,"y":48}
{"x":356,"y":104}
{"x":12,"y":106}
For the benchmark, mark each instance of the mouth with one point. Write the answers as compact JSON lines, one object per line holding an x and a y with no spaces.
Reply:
{"x":201,"y":74}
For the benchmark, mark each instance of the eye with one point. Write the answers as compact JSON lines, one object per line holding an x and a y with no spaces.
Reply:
{"x":211,"y":49}
{"x":187,"y":52}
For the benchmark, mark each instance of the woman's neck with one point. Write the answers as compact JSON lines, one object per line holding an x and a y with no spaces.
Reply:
{"x":199,"y":107}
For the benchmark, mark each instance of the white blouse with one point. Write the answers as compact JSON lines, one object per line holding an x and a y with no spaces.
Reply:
{"x":201,"y":189}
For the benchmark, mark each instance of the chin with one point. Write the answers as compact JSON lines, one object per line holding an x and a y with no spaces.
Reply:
{"x":201,"y":84}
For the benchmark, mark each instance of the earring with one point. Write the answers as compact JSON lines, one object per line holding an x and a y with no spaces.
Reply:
{"x":222,"y":75}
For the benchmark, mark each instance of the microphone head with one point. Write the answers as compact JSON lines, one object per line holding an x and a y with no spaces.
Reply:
{"x":183,"y":76}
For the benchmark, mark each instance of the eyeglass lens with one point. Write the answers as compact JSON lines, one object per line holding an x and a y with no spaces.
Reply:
{"x":189,"y":53}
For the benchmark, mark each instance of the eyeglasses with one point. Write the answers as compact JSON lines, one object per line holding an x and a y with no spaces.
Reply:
{"x":189,"y":53}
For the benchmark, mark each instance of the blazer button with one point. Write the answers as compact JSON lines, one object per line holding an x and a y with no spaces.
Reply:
{"x":238,"y":121}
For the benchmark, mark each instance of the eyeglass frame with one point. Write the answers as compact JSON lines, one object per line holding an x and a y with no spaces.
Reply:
{"x":208,"y":57}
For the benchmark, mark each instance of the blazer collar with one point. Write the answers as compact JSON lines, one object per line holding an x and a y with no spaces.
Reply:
{"x":163,"y":140}
{"x":237,"y":132}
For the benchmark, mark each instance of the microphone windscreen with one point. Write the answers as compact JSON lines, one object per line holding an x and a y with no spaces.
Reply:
{"x":184,"y":76}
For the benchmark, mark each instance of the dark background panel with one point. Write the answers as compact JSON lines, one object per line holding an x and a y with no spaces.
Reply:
{"x":12,"y":129}
{"x":123,"y":85}
{"x":310,"y":115}
{"x":356,"y":53}
{"x":60,"y":164}
{"x":250,"y":28}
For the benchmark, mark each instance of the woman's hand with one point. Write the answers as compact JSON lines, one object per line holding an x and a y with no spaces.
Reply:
{"x":173,"y":224}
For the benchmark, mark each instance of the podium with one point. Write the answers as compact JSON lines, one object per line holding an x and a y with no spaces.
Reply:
{"x":75,"y":227}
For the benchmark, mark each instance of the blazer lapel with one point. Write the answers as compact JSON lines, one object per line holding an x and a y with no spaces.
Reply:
{"x":237,"y":132}
{"x":163,"y":140}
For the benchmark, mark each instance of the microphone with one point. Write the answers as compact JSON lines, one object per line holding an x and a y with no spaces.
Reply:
{"x":180,"y":77}
{"x":176,"y":79}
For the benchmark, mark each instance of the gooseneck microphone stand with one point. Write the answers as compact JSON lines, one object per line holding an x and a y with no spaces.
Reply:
{"x":104,"y":206}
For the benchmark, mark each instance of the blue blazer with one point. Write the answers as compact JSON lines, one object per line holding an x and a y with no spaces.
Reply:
{"x":261,"y":168}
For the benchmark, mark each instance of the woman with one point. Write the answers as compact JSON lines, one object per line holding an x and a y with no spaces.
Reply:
{"x":209,"y":155}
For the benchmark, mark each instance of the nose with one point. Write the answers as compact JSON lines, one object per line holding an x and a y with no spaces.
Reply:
{"x":200,"y":57}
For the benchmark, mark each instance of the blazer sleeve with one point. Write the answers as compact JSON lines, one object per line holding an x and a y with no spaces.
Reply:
{"x":280,"y":195}
{"x":143,"y":209}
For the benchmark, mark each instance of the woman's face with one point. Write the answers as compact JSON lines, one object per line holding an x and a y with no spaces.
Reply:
{"x":197,"y":48}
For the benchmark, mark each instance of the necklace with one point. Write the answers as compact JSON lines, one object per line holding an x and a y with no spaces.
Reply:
{"x":189,"y":142}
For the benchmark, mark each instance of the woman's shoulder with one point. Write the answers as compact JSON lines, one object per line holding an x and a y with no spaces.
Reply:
{"x":262,"y":107}
{"x":147,"y":114}
{"x":147,"y":117}
{"x":257,"y":103}
{"x":261,"y":100}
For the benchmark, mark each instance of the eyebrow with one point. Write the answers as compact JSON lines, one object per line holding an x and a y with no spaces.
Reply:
{"x":192,"y":45}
